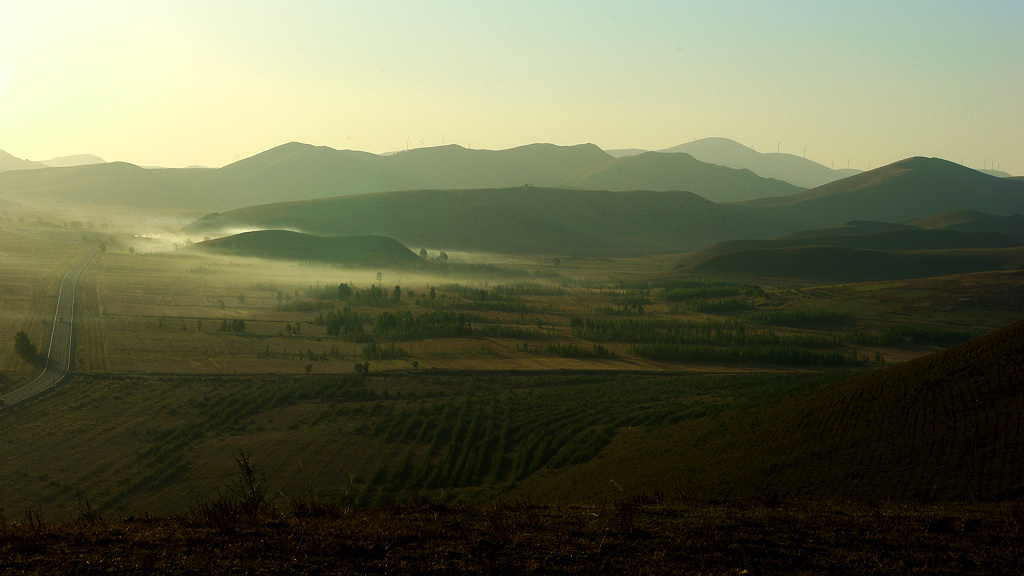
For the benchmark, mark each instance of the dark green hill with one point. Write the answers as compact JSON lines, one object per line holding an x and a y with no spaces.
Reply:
{"x":852,"y":228}
{"x":835,"y":264}
{"x":904,"y":239}
{"x":511,"y":220}
{"x":906,"y":190}
{"x":944,"y":426}
{"x":973,"y":221}
{"x":657,"y":171}
{"x":370,"y":251}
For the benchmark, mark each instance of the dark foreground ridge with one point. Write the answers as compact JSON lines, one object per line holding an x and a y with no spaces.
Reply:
{"x":639,"y":536}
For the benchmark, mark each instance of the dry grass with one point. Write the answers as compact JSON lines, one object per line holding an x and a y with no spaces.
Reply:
{"x":658,"y":537}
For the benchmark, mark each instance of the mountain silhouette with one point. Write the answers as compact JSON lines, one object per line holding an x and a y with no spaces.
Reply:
{"x":790,"y":168}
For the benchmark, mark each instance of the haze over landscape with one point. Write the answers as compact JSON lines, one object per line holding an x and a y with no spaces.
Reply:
{"x":656,"y":288}
{"x":199,"y":83}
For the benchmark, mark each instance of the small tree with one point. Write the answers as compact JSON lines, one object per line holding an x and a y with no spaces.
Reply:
{"x":344,"y":291}
{"x":397,"y":293}
{"x":25,"y":349}
{"x":423,"y":253}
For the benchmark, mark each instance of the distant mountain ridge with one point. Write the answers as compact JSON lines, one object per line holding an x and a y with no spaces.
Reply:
{"x":74,"y":160}
{"x":790,"y":168}
{"x":9,"y":162}
{"x":298,"y":171}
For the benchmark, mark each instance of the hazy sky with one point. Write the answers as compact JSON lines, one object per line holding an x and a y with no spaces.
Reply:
{"x":182,"y":82}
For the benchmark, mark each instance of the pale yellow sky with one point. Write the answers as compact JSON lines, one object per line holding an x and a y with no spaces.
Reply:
{"x":177,"y":83}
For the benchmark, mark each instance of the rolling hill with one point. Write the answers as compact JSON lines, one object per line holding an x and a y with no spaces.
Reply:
{"x":356,"y":251}
{"x":794,"y":169}
{"x":906,"y":190}
{"x":789,"y":168}
{"x":837,"y":264}
{"x":658,"y":171}
{"x":902,"y":239}
{"x":510,"y":220}
{"x":973,"y":221}
{"x":9,"y":162}
{"x":74,"y":160}
{"x":943,"y":426}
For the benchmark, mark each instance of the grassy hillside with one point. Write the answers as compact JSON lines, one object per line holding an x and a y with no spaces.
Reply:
{"x":852,"y":228}
{"x":973,"y":221}
{"x":858,"y":265}
{"x":908,"y":189}
{"x":513,"y":220}
{"x":371,"y":251}
{"x":657,"y":171}
{"x":894,"y":240}
{"x":944,"y":426}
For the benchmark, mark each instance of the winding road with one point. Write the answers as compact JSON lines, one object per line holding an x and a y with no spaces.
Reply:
{"x":58,"y":356}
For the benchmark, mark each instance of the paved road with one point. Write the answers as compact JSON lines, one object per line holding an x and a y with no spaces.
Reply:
{"x":58,"y":356}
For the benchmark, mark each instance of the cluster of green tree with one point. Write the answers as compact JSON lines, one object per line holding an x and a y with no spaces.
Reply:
{"x":498,"y":299}
{"x":717,"y":305}
{"x":405,"y":325}
{"x":506,"y":331}
{"x":903,"y":335}
{"x":811,"y":317}
{"x":769,"y":354}
{"x":527,"y":289}
{"x":577,"y":351}
{"x":375,"y":295}
{"x":727,"y":332}
{"x":344,"y":322}
{"x":233,"y":325}
{"x":703,"y":291}
{"x":374,"y":351}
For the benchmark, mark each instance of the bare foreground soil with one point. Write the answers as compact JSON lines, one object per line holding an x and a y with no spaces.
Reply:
{"x":637,"y":537}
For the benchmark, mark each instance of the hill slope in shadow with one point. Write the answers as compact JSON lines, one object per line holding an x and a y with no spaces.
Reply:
{"x":356,"y":251}
{"x":944,"y":426}
{"x":658,"y":171}
{"x":900,"y":239}
{"x":511,"y":220}
{"x":837,"y":264}
{"x":906,"y":190}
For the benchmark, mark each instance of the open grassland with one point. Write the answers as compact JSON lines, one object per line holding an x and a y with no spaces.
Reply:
{"x":942,"y":427}
{"x":31,"y":268}
{"x":159,"y":444}
{"x":181,"y":312}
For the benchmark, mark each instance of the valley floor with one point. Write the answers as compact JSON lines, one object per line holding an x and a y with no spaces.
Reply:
{"x":640,"y":536}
